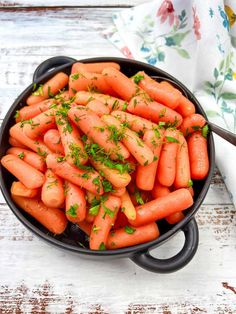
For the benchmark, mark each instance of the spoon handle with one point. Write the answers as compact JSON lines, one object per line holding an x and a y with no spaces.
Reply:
{"x":227,"y":135}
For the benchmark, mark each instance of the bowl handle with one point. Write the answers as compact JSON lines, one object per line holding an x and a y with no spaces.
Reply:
{"x":50,"y":64}
{"x":148,"y":262}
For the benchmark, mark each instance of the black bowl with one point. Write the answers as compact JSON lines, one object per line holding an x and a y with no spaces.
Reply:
{"x":73,"y":239}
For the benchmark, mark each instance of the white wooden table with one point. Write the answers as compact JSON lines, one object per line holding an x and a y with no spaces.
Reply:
{"x":36,"y":278}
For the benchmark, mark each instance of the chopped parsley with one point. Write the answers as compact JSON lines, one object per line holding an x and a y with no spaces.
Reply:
{"x":107,"y":186}
{"x":170,"y":139}
{"x":72,"y":210}
{"x":102,"y":247}
{"x":205,"y":131}
{"x":129,"y":230}
{"x":138,"y":78}
{"x":190,"y":183}
{"x":17,"y":114}
{"x":138,"y":197}
{"x":38,"y":91}
{"x":21,"y":155}
{"x":60,"y":159}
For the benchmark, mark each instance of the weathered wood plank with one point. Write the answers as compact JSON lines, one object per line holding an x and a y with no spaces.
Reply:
{"x":55,"y":288}
{"x":72,"y":3}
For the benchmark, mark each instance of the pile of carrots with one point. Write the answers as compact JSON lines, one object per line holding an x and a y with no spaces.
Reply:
{"x":110,"y":153}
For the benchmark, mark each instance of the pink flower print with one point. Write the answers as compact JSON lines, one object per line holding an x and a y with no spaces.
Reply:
{"x":125,"y":50}
{"x":166,"y":11}
{"x":196,"y":25}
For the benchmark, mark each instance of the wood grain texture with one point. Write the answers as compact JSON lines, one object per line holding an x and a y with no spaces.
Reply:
{"x":71,"y":3}
{"x":37,"y":278}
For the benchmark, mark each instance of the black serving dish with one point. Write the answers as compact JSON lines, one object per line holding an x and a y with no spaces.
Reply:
{"x":73,"y":239}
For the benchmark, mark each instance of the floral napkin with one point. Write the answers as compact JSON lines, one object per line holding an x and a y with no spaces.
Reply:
{"x":195,"y":41}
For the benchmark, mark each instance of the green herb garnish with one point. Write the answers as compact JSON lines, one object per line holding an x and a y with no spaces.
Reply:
{"x":129,"y":230}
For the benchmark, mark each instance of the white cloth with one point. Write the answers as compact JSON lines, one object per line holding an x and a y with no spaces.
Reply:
{"x":195,"y":41}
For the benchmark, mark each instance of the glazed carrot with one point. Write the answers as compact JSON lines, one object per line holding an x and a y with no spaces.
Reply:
{"x":52,"y":140}
{"x":98,"y":107}
{"x":192,"y":123}
{"x":113,"y":103}
{"x":162,"y":207}
{"x":51,"y":218}
{"x":15,"y":143}
{"x":91,"y":196}
{"x":166,"y":170}
{"x":127,"y":206}
{"x":169,"y":98}
{"x":89,"y":218}
{"x":86,"y":81}
{"x":152,"y":110}
{"x":85,"y":227}
{"x":120,"y":83}
{"x":52,"y":193}
{"x":19,"y":189}
{"x":185,"y":107}
{"x":38,"y":125}
{"x":16,"y":131}
{"x":97,"y":67}
{"x":182,"y":176}
{"x":141,"y":152}
{"x":129,"y":236}
{"x":159,"y":190}
{"x":175,"y":218}
{"x":145,"y":176}
{"x":50,"y":88}
{"x":29,"y":112}
{"x":29,"y":157}
{"x":118,"y":192}
{"x":29,"y":176}
{"x":191,"y":190}
{"x":198,"y":155}
{"x":91,"y":181}
{"x":103,"y":223}
{"x":118,"y":179}
{"x":75,"y":203}
{"x":134,"y":122}
{"x":71,"y":142}
{"x":96,"y":129}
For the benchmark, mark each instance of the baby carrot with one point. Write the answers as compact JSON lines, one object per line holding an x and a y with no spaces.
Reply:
{"x":103,"y":223}
{"x":29,"y":176}
{"x":15,"y":143}
{"x":113,"y":103}
{"x":16,"y":131}
{"x":96,"y":67}
{"x":118,"y":179}
{"x":98,"y":107}
{"x":159,"y":190}
{"x":96,"y":129}
{"x":118,"y":192}
{"x":162,"y":207}
{"x":144,"y":107}
{"x":51,"y":218}
{"x":75,"y":203}
{"x":134,"y":122}
{"x":52,"y":140}
{"x":141,"y":152}
{"x":120,"y":83}
{"x":38,"y":125}
{"x":87,"y":81}
{"x":127,"y":206}
{"x":52,"y":193}
{"x":19,"y":189}
{"x":91,"y":181}
{"x":85,"y":227}
{"x":129,"y":236}
{"x":50,"y":88}
{"x":198,"y":155}
{"x":166,"y":170}
{"x":182,"y":176}
{"x":169,"y":98}
{"x":185,"y":107}
{"x":192,"y":123}
{"x":29,"y":157}
{"x":29,"y":112}
{"x":175,"y":218}
{"x":145,"y":176}
{"x":71,"y":142}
